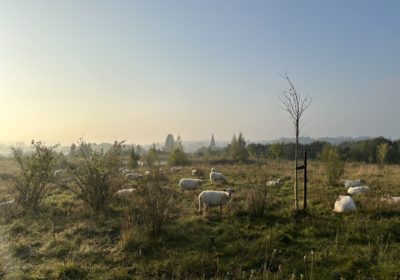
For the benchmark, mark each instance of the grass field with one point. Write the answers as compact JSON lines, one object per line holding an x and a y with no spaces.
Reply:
{"x":64,"y":240}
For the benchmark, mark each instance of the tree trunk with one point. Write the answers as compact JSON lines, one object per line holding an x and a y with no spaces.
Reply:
{"x":296,"y":153}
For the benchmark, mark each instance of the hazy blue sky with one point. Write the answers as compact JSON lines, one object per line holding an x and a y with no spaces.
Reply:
{"x":138,"y":70}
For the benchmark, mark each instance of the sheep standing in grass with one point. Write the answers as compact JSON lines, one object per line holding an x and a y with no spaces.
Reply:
{"x":208,"y":199}
{"x":190,"y":184}
{"x":344,"y":203}
{"x":125,"y":193}
{"x":358,"y":190}
{"x":217,"y":177}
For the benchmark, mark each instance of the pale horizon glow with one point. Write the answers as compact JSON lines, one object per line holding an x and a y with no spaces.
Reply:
{"x":138,"y":70}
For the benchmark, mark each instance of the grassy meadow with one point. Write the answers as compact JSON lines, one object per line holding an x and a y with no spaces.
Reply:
{"x":64,"y":240}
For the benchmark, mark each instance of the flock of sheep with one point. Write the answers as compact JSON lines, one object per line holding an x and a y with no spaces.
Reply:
{"x":212,"y":198}
{"x":345,"y":203}
{"x":207,"y":199}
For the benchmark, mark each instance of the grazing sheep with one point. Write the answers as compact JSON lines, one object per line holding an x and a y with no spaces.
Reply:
{"x":190,"y":184}
{"x":391,"y":200}
{"x":352,"y":183}
{"x":147,"y":173}
{"x":210,"y":199}
{"x":7,"y":204}
{"x":125,"y":193}
{"x":357,"y":190}
{"x":217,"y":177}
{"x":276,"y":182}
{"x":175,"y":169}
{"x":344,"y":203}
{"x":133,"y":176}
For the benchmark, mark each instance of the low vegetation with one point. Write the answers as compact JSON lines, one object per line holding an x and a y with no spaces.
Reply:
{"x":157,"y":234}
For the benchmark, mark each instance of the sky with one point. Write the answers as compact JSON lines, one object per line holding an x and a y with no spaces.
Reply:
{"x":138,"y":70}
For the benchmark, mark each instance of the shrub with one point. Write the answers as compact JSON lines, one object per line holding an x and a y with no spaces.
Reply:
{"x":95,"y":177}
{"x":333,"y":165}
{"x":36,"y":172}
{"x":153,"y":206}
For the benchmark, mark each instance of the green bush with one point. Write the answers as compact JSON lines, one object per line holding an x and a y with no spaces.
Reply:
{"x":153,"y":206}
{"x":96,"y":177}
{"x":333,"y":165}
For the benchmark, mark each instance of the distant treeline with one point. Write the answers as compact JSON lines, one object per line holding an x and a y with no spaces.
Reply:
{"x":363,"y":151}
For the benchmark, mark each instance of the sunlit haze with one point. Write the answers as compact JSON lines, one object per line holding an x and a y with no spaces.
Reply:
{"x":138,"y":70}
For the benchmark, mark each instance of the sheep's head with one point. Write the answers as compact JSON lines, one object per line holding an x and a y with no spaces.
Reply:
{"x":229,"y":191}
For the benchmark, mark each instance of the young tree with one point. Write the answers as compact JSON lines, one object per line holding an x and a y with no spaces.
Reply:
{"x":295,"y":104}
{"x":382,"y":151}
{"x":152,"y":155}
{"x":333,"y":165}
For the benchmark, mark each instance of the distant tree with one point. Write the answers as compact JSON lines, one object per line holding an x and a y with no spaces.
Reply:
{"x":293,"y":103}
{"x":237,"y":149}
{"x":72,"y":150}
{"x":382,"y":151}
{"x":212,"y":144}
{"x":333,"y":165}
{"x":152,"y":155}
{"x":169,"y":143}
{"x":178,"y":155}
{"x":257,"y":150}
{"x":133,"y":159}
{"x":276,"y":150}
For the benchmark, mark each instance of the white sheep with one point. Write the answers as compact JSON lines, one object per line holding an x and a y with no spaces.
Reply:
{"x":133,"y":176}
{"x":125,"y":193}
{"x":208,"y":199}
{"x":358,"y":190}
{"x":190,"y":184}
{"x":274,"y":183}
{"x":175,"y":169}
{"x":147,"y":173}
{"x":391,"y":200}
{"x":194,"y":172}
{"x":344,"y":203}
{"x":217,"y":177}
{"x":7,"y":204}
{"x":352,"y":183}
